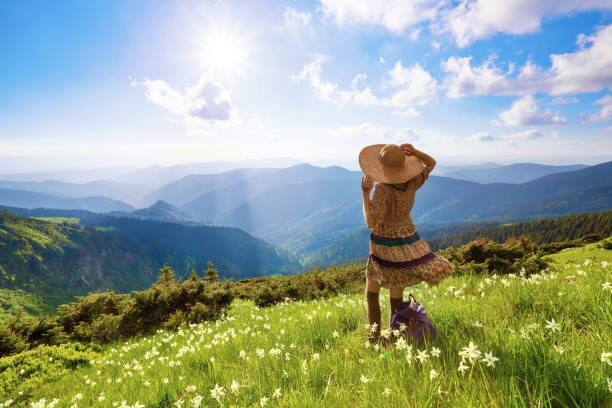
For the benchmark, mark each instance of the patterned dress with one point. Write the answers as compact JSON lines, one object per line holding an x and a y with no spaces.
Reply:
{"x":398,"y":256}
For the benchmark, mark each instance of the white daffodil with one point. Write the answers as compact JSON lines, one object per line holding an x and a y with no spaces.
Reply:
{"x":477,"y":324}
{"x":217,"y":393}
{"x":277,"y":393}
{"x":364,"y":379}
{"x":606,"y":357}
{"x":470,"y":352}
{"x":387,"y":391}
{"x":552,"y":325}
{"x":490,"y":359}
{"x":234,"y":387}
{"x":433,"y":374}
{"x":435,"y":352}
{"x":422,"y":356}
{"x":462,"y":367}
{"x":263,"y":401}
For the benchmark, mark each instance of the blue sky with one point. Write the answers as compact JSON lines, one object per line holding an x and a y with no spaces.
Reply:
{"x":97,"y":83}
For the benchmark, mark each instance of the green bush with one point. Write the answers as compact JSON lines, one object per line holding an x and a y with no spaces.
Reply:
{"x":105,"y":317}
{"x":512,"y":256}
{"x":33,"y":368}
{"x":314,"y":284}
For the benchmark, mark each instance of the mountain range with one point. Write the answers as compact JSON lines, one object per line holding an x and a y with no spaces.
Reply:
{"x":304,"y":208}
{"x":514,"y":173}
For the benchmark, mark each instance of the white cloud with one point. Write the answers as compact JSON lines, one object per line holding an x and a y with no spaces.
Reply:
{"x":418,"y":86}
{"x":473,"y":20}
{"x":366,"y":130}
{"x":525,"y":111}
{"x":382,"y":60}
{"x":369,"y":133}
{"x":464,"y":80}
{"x":564,"y":100}
{"x":296,"y":19}
{"x":521,"y":136}
{"x":481,"y":137}
{"x":586,"y":70}
{"x":606,"y":110}
{"x":407,"y":134}
{"x":208,"y":102}
{"x":435,"y":45}
{"x":406,"y":113}
{"x":412,"y":87}
{"x":395,"y":15}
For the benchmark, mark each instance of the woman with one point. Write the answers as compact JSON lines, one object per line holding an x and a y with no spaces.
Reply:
{"x":398,"y":256}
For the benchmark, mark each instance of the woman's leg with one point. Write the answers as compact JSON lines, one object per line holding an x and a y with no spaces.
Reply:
{"x":372,"y":296}
{"x":396,"y":296}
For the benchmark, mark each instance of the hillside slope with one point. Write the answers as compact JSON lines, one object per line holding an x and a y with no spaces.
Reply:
{"x":503,"y":341}
{"x":59,"y":260}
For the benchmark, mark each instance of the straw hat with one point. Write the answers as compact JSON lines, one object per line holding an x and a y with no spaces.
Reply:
{"x":389,"y":164}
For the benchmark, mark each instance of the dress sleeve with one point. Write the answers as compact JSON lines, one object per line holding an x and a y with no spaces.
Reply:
{"x":378,"y":204}
{"x":421,"y":178}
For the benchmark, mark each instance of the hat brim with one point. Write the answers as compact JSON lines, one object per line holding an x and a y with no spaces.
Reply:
{"x":370,"y":165}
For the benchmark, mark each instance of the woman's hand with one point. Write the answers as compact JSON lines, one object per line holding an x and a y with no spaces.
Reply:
{"x":367,"y":183}
{"x":407,"y":148}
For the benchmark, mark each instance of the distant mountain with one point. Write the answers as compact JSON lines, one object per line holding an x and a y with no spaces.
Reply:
{"x":189,"y":187}
{"x":304,"y":218}
{"x":273,"y":214}
{"x":160,"y":211}
{"x":154,"y":176}
{"x":213,"y":205}
{"x":482,"y":201}
{"x":130,"y":193}
{"x":445,"y":169}
{"x":588,"y":200}
{"x":514,"y":173}
{"x":29,"y":199}
{"x":59,"y":260}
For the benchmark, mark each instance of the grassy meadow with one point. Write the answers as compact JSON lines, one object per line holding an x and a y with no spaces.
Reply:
{"x":543,"y":340}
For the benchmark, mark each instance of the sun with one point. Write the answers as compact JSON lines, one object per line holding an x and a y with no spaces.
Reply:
{"x":223,"y":52}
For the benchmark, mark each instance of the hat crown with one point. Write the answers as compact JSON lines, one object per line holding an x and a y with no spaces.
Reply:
{"x":391,"y":156}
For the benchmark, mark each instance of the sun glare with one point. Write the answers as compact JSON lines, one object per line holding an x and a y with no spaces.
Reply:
{"x":224,"y":53}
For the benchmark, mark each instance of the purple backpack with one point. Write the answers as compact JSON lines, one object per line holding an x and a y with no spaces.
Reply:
{"x":412,"y":317}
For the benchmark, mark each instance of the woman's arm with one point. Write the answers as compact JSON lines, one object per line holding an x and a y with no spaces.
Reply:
{"x":366,"y":186}
{"x":429,"y":161}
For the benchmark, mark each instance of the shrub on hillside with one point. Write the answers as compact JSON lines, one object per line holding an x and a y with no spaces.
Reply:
{"x":486,"y":256}
{"x":607,"y":244}
{"x":266,"y":291}
{"x":104,"y":317}
{"x":31,"y":369}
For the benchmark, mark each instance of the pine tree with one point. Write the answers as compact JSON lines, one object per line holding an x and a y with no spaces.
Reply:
{"x":211,"y":274}
{"x":166,"y":275}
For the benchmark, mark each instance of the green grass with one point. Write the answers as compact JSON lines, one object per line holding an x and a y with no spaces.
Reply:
{"x":58,"y":220}
{"x":316,"y":353}
{"x":13,"y":301}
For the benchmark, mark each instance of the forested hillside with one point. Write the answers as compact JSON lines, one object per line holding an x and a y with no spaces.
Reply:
{"x":356,"y":245}
{"x":60,"y":260}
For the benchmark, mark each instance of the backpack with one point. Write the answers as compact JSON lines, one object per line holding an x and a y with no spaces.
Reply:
{"x":412,"y":317}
